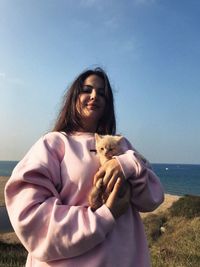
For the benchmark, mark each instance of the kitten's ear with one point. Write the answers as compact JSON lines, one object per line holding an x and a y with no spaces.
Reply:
{"x":119,"y":138}
{"x":97,"y":136}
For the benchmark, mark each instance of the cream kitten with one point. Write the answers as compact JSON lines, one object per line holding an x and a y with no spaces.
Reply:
{"x":107,"y":146}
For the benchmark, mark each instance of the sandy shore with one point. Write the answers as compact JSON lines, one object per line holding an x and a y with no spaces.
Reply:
{"x":168,"y":201}
{"x":5,"y":223}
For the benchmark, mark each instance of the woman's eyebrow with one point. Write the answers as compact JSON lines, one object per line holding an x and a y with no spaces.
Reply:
{"x":90,"y":86}
{"x":87,"y":85}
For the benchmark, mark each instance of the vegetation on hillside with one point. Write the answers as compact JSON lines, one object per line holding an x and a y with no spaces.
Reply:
{"x":12,"y":255}
{"x":173,"y":237}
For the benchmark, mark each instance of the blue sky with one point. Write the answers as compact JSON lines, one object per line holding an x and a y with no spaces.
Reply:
{"x":149,"y":48}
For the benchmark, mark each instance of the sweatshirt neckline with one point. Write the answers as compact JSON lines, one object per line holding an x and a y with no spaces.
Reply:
{"x":83,"y":134}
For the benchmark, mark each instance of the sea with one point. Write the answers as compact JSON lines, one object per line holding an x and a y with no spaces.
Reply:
{"x":177,"y":179}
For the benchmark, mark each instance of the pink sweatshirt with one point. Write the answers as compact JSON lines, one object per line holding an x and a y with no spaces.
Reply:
{"x":46,"y":198}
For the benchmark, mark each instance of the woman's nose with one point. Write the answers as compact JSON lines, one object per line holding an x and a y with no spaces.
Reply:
{"x":93,"y":94}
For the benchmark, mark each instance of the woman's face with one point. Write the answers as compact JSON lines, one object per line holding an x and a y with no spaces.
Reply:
{"x":91,"y":102}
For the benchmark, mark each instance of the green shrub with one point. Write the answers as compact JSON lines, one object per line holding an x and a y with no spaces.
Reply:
{"x":12,"y":255}
{"x":179,"y":244}
{"x":152,"y":224}
{"x":187,"y":206}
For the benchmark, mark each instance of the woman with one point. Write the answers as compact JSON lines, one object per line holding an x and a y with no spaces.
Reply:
{"x":46,"y":196}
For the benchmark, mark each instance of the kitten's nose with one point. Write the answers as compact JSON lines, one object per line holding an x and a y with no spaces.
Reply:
{"x":108,"y":154}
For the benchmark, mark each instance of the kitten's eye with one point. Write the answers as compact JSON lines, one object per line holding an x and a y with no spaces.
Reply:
{"x":102,"y":148}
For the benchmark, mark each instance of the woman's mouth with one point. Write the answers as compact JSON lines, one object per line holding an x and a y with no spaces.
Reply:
{"x":92,"y":106}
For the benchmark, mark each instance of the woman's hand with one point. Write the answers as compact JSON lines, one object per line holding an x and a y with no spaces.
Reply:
{"x":110,"y":172}
{"x":118,"y":204}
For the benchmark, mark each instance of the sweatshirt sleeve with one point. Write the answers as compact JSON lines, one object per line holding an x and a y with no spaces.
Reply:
{"x":146,"y":189}
{"x":48,"y":229}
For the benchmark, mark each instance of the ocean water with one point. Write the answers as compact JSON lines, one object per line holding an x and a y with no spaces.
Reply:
{"x":177,"y":179}
{"x":6,"y":167}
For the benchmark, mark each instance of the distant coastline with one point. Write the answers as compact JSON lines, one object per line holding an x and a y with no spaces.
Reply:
{"x":6,"y":167}
{"x":177,"y":179}
{"x":6,"y":227}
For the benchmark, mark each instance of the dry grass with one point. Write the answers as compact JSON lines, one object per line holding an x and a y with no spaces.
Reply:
{"x":9,"y":238}
{"x":3,"y":180}
{"x":168,"y":202}
{"x":12,"y":253}
{"x":177,"y":246}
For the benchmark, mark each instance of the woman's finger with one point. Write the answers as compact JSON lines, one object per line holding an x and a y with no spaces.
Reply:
{"x":113,"y":201}
{"x":107,"y":178}
{"x":98,"y":175}
{"x":116,"y":189}
{"x":110,"y":184}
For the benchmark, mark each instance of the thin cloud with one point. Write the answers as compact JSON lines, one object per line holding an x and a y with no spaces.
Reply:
{"x":89,"y":3}
{"x":129,"y":46}
{"x":17,"y":81}
{"x":11,"y":80}
{"x":144,"y":2}
{"x":2,"y":75}
{"x":112,"y":23}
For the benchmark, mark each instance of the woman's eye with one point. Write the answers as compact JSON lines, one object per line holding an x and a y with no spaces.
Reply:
{"x":86,"y":89}
{"x":101,"y":93}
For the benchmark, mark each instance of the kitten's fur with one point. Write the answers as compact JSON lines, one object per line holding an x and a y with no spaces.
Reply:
{"x":107,"y":146}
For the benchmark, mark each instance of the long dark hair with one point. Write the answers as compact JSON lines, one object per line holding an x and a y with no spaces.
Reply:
{"x":69,"y":120}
